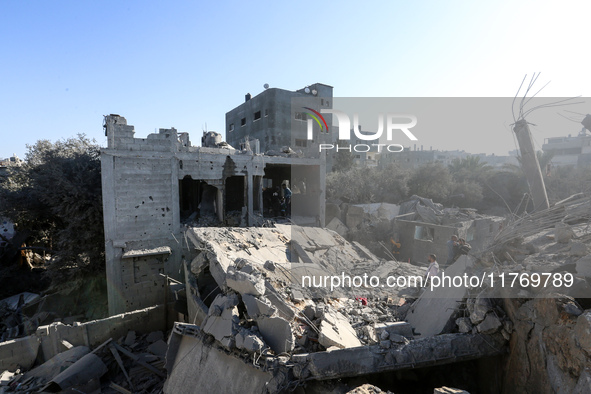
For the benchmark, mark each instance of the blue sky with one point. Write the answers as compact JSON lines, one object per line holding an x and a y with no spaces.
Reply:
{"x":185,"y":64}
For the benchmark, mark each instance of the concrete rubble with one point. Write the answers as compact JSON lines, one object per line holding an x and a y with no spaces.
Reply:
{"x":411,"y":229}
{"x":252,"y":314}
{"x":132,"y":363}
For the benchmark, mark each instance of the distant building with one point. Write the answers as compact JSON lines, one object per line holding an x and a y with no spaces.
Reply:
{"x":496,"y":160}
{"x":364,"y":159}
{"x":270,"y":118}
{"x":9,"y":162}
{"x":415,"y":158}
{"x":570,"y":151}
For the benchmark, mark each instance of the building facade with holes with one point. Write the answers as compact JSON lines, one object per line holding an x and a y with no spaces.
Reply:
{"x":153,"y":186}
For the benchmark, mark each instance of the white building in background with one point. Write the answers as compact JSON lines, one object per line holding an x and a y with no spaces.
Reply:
{"x":570,"y":151}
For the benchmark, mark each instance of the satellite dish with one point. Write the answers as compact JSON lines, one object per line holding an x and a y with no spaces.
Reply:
{"x":266,"y":86}
{"x":314,"y":92}
{"x":307,"y":90}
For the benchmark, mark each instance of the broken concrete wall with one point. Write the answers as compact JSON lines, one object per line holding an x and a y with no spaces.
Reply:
{"x":432,"y":311}
{"x":422,"y":352}
{"x":47,"y":340}
{"x":417,"y":244}
{"x":195,"y":364}
{"x":19,"y":353}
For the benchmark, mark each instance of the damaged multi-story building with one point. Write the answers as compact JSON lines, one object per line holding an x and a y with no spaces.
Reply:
{"x":152,"y":185}
{"x":278,"y":118}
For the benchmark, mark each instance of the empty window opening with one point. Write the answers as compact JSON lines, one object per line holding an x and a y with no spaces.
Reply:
{"x":424,"y":233}
{"x":257,"y":115}
{"x":243,"y":122}
{"x":197,"y":199}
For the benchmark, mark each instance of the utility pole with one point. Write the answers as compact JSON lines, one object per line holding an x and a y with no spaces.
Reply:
{"x":531,"y":166}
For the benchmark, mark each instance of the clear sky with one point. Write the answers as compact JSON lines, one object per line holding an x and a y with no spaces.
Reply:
{"x":65,"y":64}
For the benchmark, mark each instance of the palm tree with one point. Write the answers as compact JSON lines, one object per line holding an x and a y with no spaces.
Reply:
{"x":468,"y":168}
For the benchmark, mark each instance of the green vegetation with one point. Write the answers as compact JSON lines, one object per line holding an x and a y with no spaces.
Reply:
{"x":467,"y":183}
{"x":55,"y":198}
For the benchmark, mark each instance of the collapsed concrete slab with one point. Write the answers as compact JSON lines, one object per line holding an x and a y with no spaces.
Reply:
{"x":338,"y":227}
{"x":335,"y":330}
{"x":437,"y":350}
{"x":193,"y":362}
{"x":432,"y":311}
{"x":222,"y":319}
{"x":277,"y":333}
{"x":291,"y":333}
{"x":245,"y":280}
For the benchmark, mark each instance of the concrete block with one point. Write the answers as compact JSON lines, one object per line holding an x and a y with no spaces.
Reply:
{"x":563,"y":233}
{"x":431,"y":313}
{"x":195,"y":366}
{"x":338,"y":227}
{"x":489,"y":325}
{"x":481,"y":307}
{"x":247,"y":340}
{"x":130,"y":338}
{"x":155,"y":336}
{"x":399,"y":327}
{"x":584,"y":382}
{"x":464,"y":324}
{"x":335,"y":330}
{"x":256,"y":307}
{"x":158,"y":348}
{"x":245,"y":283}
{"x":222,"y":318}
{"x":277,"y":333}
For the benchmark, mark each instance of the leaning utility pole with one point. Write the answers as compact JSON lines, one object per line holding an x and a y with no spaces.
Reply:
{"x":531,"y":166}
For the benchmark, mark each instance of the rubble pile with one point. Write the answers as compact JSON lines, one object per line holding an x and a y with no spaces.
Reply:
{"x":133,"y":363}
{"x":547,"y":320}
{"x":261,"y":297}
{"x":375,"y":225}
{"x":248,"y":301}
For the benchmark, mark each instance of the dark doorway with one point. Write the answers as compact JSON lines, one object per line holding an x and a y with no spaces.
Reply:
{"x":234,"y":193}
{"x":196,"y":199}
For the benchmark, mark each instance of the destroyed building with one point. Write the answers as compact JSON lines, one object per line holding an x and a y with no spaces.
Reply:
{"x":269,"y":118}
{"x":151,"y":185}
{"x":411,"y":230}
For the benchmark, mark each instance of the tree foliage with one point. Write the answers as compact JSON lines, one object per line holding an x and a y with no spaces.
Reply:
{"x":56,"y":198}
{"x":365,"y":185}
{"x":343,"y":159}
{"x":431,"y":180}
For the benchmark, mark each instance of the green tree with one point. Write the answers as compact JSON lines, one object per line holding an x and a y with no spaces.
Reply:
{"x":56,"y":198}
{"x":468,"y":168}
{"x":431,"y":180}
